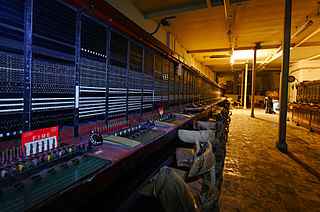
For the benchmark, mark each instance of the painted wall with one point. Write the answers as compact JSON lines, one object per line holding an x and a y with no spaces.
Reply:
{"x":128,"y":9}
{"x":303,"y":71}
{"x":132,"y":12}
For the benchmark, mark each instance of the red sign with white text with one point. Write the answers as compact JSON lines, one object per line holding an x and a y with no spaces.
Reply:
{"x":37,"y":135}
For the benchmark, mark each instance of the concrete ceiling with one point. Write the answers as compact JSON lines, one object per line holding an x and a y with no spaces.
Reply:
{"x":201,"y":27}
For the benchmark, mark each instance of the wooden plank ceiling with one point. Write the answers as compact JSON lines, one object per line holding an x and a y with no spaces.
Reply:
{"x":202,"y":25}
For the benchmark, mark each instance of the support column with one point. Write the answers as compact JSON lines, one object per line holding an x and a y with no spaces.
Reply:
{"x":127,"y":78}
{"x":77,"y":75}
{"x":245,"y":87}
{"x":27,"y":66}
{"x":281,"y":144}
{"x":253,"y":90}
{"x":241,"y":89}
{"x":142,"y":78}
{"x":153,"y":79}
{"x":106,"y":118}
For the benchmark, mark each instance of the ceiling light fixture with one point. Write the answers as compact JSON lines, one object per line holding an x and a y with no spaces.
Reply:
{"x":232,"y":59}
{"x":243,"y":54}
{"x":219,"y":56}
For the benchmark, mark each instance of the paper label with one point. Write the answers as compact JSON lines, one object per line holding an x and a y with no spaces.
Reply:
{"x":77,"y":96}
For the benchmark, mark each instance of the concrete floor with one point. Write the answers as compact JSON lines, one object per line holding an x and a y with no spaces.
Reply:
{"x":258,"y":177}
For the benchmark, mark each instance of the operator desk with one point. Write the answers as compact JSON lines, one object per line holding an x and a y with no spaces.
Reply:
{"x":123,"y":159}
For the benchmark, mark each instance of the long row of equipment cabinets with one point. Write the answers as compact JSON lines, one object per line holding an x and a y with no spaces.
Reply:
{"x":306,"y":108}
{"x":62,"y":67}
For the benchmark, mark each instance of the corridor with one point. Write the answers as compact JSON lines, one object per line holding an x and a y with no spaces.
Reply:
{"x":258,"y":177}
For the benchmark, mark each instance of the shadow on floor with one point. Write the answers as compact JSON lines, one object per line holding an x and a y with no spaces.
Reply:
{"x":265,"y":120}
{"x":276,"y":122}
{"x":303,"y":165}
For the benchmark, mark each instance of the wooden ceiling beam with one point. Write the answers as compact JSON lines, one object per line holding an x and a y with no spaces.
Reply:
{"x":229,"y":18}
{"x":311,"y":58}
{"x":309,"y":44}
{"x":227,"y":10}
{"x":229,"y":49}
{"x":302,"y":41}
{"x":273,"y":69}
{"x":186,"y":8}
{"x":235,"y":26}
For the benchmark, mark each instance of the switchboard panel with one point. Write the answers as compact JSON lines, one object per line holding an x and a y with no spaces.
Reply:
{"x":172,"y":84}
{"x":135,"y":78}
{"x":181,"y":87}
{"x":177,"y":81}
{"x":117,"y":81}
{"x":11,"y":68}
{"x":185,"y":84}
{"x":157,"y":99}
{"x":165,"y":82}
{"x":53,"y":73}
{"x":148,"y":80}
{"x":74,"y":69}
{"x":197,"y":97}
{"x":189,"y":86}
{"x":93,"y":70}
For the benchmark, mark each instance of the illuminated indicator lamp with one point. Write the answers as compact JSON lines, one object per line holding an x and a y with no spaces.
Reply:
{"x":20,"y":167}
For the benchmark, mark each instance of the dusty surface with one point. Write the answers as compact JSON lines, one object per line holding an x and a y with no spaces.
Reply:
{"x":258,"y":177}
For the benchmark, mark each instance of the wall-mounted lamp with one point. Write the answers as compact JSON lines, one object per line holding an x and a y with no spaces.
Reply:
{"x":292,"y":79}
{"x":163,"y":22}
